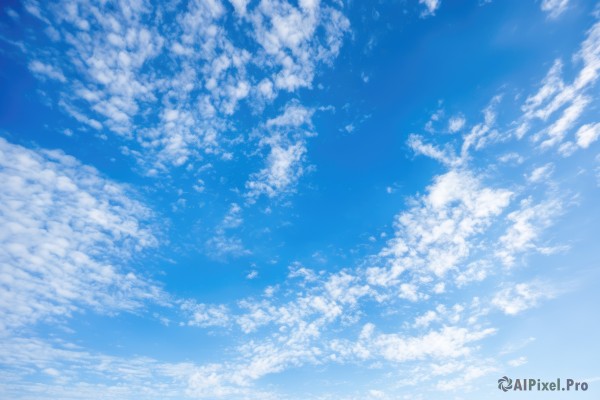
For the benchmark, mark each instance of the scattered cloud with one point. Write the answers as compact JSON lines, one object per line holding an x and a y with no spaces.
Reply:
{"x":173,"y":93}
{"x":173,"y":113}
{"x":66,"y":232}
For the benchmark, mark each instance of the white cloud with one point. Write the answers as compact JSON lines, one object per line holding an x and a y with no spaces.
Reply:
{"x":527,"y":223}
{"x":437,"y":240}
{"x":286,"y":156}
{"x":222,"y":247}
{"x":223,"y":243}
{"x":474,"y":272}
{"x":233,"y":218}
{"x":266,"y":90}
{"x":515,"y":299}
{"x":570,"y":115}
{"x":294,"y":116}
{"x":298,"y":271}
{"x":511,"y":157}
{"x":445,"y":156}
{"x":554,"y":7}
{"x":66,"y":234}
{"x":377,"y":394}
{"x":75,"y":373}
{"x":456,"y":123}
{"x":33,"y":8}
{"x":433,"y":236}
{"x":447,"y":343}
{"x":284,"y":168}
{"x":240,"y":6}
{"x":106,"y":61}
{"x":424,"y":320}
{"x":517,"y":362}
{"x":326,"y":302}
{"x":435,"y":117}
{"x":409,"y":292}
{"x":203,"y":315}
{"x":482,"y":134}
{"x":588,"y":134}
{"x":46,"y":71}
{"x":466,"y":376}
{"x":289,"y":38}
{"x":252,"y":274}
{"x":431,"y":5}
{"x":292,"y":333}
{"x":551,"y":85}
{"x":172,"y":113}
{"x":541,"y":174}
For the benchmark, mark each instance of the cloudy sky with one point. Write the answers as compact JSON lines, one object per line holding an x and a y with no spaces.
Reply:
{"x":298,"y":199}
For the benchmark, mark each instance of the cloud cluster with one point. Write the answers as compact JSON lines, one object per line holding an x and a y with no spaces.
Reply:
{"x":436,"y":235}
{"x":66,"y":232}
{"x":170,"y":80}
{"x":286,"y":150}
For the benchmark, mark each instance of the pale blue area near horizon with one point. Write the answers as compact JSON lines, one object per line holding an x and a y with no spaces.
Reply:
{"x":298,"y":199}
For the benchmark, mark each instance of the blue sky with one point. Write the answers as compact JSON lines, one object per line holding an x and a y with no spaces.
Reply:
{"x":281,"y":199}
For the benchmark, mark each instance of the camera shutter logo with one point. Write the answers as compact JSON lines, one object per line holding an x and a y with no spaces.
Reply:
{"x":505,"y":383}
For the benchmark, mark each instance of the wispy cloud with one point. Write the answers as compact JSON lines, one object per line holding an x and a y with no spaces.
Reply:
{"x":224,"y":242}
{"x":554,"y":8}
{"x":568,"y":101}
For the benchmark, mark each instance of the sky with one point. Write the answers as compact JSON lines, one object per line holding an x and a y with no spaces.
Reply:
{"x":298,"y":199}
